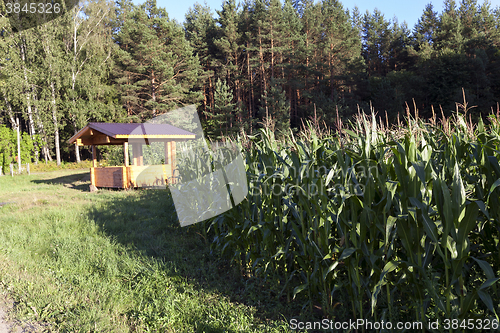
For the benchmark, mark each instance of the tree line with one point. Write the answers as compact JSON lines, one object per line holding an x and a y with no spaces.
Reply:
{"x":286,"y":60}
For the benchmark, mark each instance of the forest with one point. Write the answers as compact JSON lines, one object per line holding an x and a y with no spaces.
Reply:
{"x":294,"y":60}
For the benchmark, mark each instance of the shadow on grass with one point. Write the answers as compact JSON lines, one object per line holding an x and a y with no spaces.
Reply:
{"x":78,"y":181}
{"x":146,"y":221}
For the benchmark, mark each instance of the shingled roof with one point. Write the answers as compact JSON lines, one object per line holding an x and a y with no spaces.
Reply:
{"x":117,"y":133}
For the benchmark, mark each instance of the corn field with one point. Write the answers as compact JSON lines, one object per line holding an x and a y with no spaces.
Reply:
{"x":389,"y":224}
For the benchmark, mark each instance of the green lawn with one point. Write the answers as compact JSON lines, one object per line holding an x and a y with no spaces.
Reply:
{"x":118,"y":261}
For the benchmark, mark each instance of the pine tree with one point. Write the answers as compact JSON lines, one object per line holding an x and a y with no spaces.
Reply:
{"x":258,"y":44}
{"x":449,"y":33}
{"x":276,"y":107}
{"x":425,"y":29}
{"x":468,"y":12}
{"x":400,"y":43}
{"x":220,"y":120}
{"x":275,"y":27}
{"x":376,"y":43}
{"x":201,"y":32}
{"x":309,"y":56}
{"x":341,"y":44}
{"x":490,"y":42}
{"x":357,"y":20}
{"x":424,"y":34}
{"x":292,"y":43}
{"x":157,"y":70}
{"x":227,"y":44}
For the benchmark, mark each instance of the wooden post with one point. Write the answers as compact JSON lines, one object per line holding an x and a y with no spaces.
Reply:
{"x":141,"y":159}
{"x":18,"y":146}
{"x":92,"y":186}
{"x":169,"y":152}
{"x":94,"y":157}
{"x":167,"y":155}
{"x":135,"y":154}
{"x":125,"y":153}
{"x":124,"y":178}
{"x":12,"y":170}
{"x":172,"y":160}
{"x":125,"y":169}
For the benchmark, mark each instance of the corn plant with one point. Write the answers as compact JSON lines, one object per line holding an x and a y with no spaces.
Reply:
{"x":395,"y":227}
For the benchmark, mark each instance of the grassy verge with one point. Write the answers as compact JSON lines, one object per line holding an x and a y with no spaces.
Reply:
{"x":41,"y":166}
{"x":117,"y":261}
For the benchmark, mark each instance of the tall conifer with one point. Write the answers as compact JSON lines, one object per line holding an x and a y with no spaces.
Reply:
{"x":156,"y":66}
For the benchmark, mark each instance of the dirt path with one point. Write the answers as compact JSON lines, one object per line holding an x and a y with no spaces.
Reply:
{"x":5,"y":326}
{"x":15,"y":326}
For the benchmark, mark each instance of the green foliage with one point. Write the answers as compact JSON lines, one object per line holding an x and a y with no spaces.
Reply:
{"x":377,"y":40}
{"x":52,"y":166}
{"x":154,"y":153}
{"x":156,"y":69}
{"x":8,"y":148}
{"x":328,"y":60}
{"x":113,"y":155}
{"x":276,"y":107}
{"x":55,"y":77}
{"x":221,"y":121}
{"x":396,"y":226}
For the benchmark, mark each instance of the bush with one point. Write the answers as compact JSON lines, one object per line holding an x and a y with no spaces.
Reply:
{"x":8,"y":148}
{"x":52,"y":166}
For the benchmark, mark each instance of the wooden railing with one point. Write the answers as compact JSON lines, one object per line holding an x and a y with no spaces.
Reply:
{"x":131,"y":176}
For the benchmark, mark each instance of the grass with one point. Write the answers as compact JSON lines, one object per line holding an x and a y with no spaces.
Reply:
{"x":41,"y":166}
{"x":117,"y":261}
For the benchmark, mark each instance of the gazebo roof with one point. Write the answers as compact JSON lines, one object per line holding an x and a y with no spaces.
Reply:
{"x":118,"y":133}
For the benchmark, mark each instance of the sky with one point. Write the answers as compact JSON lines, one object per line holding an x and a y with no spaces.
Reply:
{"x":405,"y":10}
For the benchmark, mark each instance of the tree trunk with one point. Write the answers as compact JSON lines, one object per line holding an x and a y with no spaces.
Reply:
{"x":272,"y":52}
{"x":56,"y":124}
{"x":153,"y":91}
{"x":211,"y":93}
{"x":9,"y":112}
{"x":54,"y":109}
{"x":250,"y":91}
{"x":41,"y":131}
{"x":77,"y":148}
{"x":262,"y":71}
{"x":332,"y":79}
{"x":28,"y":97}
{"x":74,"y":73}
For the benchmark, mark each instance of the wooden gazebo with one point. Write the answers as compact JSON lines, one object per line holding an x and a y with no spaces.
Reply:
{"x":136,"y":135}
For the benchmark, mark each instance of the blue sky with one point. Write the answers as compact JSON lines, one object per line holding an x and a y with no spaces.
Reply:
{"x":404,"y":10}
